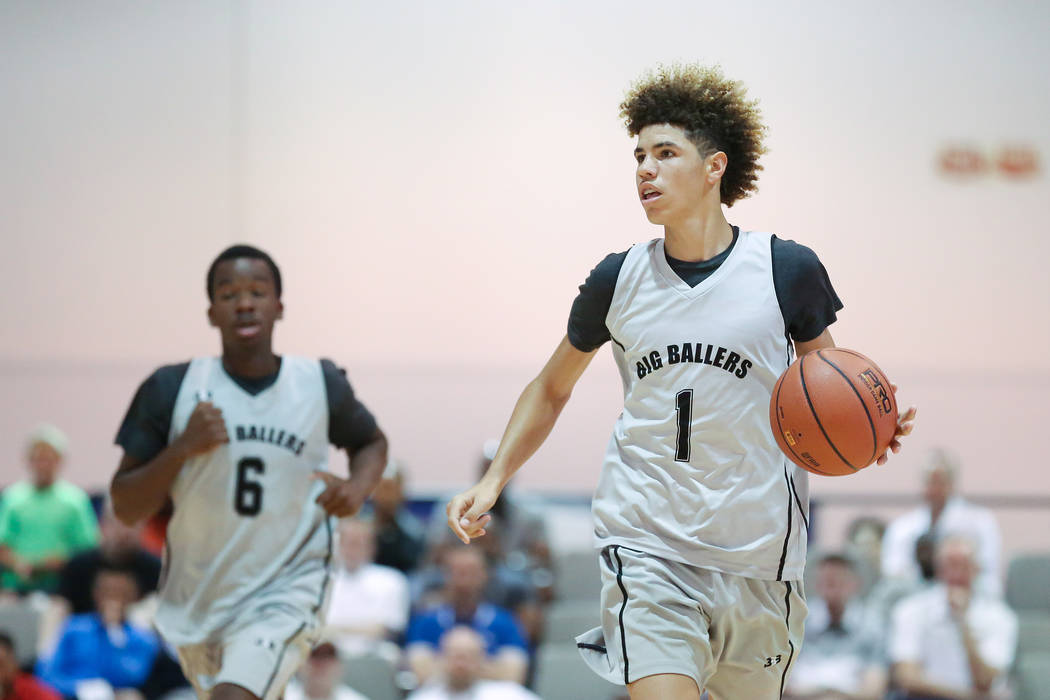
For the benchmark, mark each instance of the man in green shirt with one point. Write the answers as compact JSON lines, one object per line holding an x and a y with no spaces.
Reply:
{"x":43,"y":520}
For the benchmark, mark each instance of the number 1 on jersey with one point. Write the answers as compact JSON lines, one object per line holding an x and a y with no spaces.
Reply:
{"x":683,"y":406}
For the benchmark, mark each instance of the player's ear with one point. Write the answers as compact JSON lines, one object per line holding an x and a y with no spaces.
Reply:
{"x":715,"y":165}
{"x":211,"y":316}
{"x":280,"y":309}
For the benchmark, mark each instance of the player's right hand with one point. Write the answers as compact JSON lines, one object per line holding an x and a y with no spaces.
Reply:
{"x":468,"y":511}
{"x":204,"y":431}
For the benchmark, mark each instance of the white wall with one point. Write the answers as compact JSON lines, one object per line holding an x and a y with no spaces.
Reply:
{"x":436,"y":178}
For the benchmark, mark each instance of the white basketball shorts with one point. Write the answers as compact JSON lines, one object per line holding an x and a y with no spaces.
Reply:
{"x":735,"y":636}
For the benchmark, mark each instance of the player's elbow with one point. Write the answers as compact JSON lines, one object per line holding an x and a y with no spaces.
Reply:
{"x":126,"y":508}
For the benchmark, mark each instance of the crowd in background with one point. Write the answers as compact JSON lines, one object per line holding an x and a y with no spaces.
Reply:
{"x":913,"y":608}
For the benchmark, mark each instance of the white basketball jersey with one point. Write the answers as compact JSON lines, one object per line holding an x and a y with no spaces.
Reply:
{"x":692,"y":472}
{"x":246,"y":532}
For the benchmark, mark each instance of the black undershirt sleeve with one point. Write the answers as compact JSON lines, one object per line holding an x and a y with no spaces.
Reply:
{"x":147,"y":424}
{"x":587,"y":330}
{"x":350,"y":424}
{"x":807,"y":300}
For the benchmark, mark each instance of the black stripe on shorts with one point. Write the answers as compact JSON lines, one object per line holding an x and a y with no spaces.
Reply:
{"x":791,"y":645}
{"x":623,"y":607}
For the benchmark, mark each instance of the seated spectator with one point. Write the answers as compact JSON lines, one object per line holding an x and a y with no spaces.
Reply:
{"x":951,"y":640}
{"x":43,"y":520}
{"x":841,"y":659}
{"x":399,"y":534}
{"x":887,"y":592}
{"x":465,"y":579}
{"x":102,"y":647}
{"x":119,"y":548}
{"x":14,"y":683}
{"x":320,"y":678}
{"x":369,"y":603}
{"x":943,"y":511}
{"x":461,"y":676}
{"x":864,"y":548}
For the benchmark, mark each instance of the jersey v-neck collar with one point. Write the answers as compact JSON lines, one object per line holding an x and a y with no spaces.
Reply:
{"x":254,"y":386}
{"x":663,"y":266}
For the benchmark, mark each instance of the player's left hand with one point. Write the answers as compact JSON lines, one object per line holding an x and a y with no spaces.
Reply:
{"x":905,"y":423}
{"x":341,"y":497}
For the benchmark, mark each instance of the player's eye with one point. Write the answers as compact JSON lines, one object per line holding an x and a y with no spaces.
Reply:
{"x":639,"y":157}
{"x":666,"y":153}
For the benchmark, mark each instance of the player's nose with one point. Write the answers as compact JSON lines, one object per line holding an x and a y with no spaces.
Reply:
{"x":647,"y":168}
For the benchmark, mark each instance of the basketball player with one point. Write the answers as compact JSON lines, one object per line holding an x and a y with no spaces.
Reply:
{"x":699,"y":518}
{"x":240,"y":445}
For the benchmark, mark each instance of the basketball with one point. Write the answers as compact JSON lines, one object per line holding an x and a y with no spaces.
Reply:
{"x":833,"y":412}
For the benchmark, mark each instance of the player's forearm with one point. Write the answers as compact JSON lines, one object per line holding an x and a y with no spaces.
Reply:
{"x":530,"y":423}
{"x":139,"y":491}
{"x":910,"y":679}
{"x":368,"y":462}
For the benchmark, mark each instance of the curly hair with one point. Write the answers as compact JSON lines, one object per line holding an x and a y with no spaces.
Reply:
{"x":713,"y":111}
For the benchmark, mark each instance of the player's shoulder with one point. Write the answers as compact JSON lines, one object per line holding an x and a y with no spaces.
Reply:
{"x":791,"y":252}
{"x":167,"y":376}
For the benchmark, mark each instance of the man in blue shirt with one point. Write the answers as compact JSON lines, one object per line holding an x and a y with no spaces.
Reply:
{"x":102,"y":645}
{"x":465,"y":579}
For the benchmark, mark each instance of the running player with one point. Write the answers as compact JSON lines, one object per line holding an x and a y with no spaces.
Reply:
{"x":699,"y":518}
{"x":240,"y":446}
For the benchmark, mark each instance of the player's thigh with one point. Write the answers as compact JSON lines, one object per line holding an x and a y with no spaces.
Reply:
{"x":263,"y":657}
{"x":664,"y":686}
{"x":652,"y":621}
{"x":757,"y":635}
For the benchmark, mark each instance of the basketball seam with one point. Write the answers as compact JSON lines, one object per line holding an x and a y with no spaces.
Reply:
{"x":813,"y":411}
{"x":867,"y":413}
{"x":780,"y":427}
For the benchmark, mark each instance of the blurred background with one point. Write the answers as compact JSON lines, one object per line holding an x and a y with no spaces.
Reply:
{"x":436,"y":179}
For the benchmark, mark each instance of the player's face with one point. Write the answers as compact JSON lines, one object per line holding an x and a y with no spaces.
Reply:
{"x":245,"y":304}
{"x":672,"y":176}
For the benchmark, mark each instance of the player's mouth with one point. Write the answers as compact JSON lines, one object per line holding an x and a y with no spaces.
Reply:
{"x":648,"y":193}
{"x":247,"y":329}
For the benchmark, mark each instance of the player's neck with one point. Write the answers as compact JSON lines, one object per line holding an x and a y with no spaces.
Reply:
{"x":701,"y":236}
{"x":252,"y":363}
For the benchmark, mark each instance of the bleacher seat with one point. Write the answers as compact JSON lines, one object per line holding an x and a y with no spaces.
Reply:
{"x":372,"y":676}
{"x":566,"y":619}
{"x":576,"y":575}
{"x":22,"y":622}
{"x":1028,"y":582}
{"x":1033,"y":633}
{"x":1031,"y":676}
{"x":562,"y":675}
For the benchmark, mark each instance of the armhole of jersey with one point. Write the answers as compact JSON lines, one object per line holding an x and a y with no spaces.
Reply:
{"x":790,"y":355}
{"x":628,"y":258}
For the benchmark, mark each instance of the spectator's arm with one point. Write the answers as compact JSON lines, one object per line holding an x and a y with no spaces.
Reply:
{"x":872,"y":685}
{"x":909,"y":678}
{"x":85,"y":526}
{"x":422,"y":660}
{"x":508,"y":664}
{"x":56,"y":670}
{"x":982,"y":674}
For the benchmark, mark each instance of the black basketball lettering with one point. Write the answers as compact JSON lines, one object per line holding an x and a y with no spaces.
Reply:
{"x":687,"y":352}
{"x":718,"y":357}
{"x":672,"y":355}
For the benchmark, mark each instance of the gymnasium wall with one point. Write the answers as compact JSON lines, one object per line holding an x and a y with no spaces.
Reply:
{"x":435,"y":180}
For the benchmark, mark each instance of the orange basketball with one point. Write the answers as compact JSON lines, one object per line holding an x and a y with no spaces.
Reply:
{"x":833,"y":412}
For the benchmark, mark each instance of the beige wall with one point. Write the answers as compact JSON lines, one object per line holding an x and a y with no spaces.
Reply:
{"x":436,"y":178}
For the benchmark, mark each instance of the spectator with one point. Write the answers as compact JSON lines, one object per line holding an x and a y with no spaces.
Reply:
{"x":118,"y":548}
{"x":463,"y":663}
{"x":14,"y":683}
{"x":465,"y":580}
{"x":102,"y":647}
{"x":864,"y":548}
{"x":943,"y":512}
{"x":43,"y":520}
{"x":319,"y":678}
{"x":841,"y":658}
{"x":951,"y":641}
{"x":399,"y":534}
{"x":369,"y":602}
